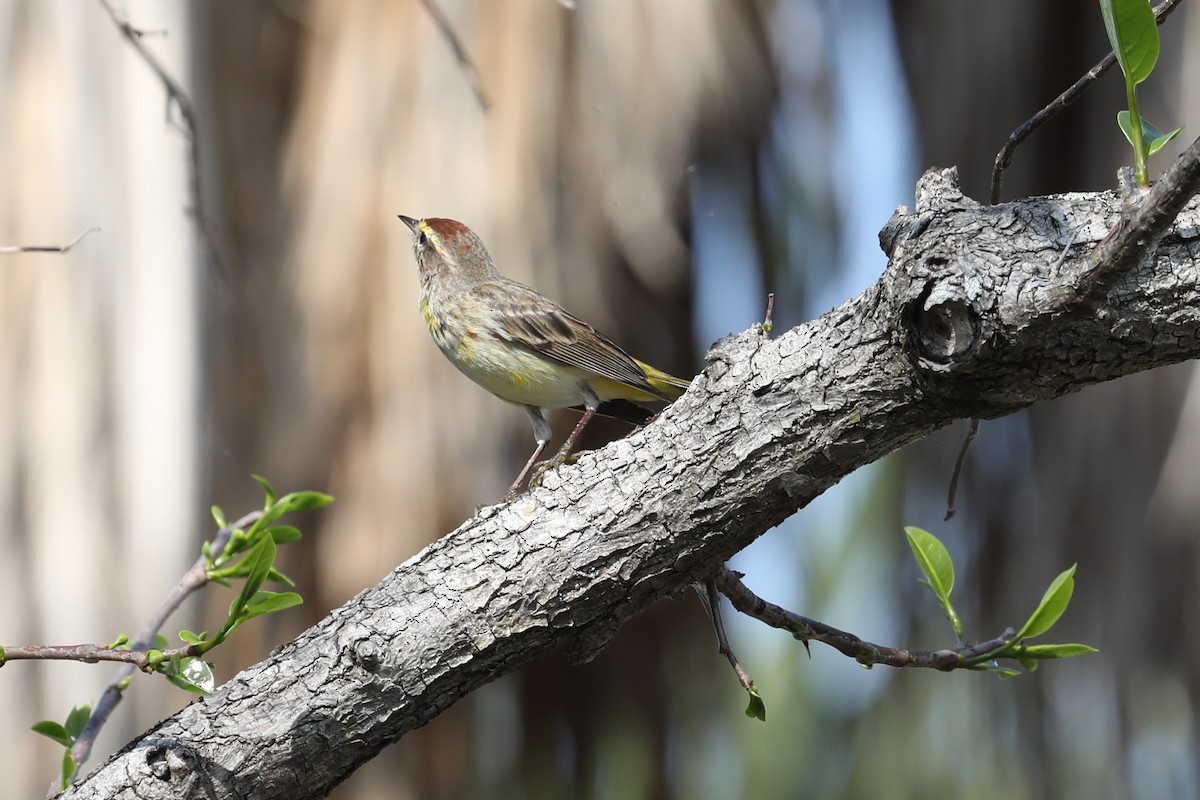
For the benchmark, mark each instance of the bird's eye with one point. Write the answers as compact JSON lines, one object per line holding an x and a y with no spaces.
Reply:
{"x":422,"y":240}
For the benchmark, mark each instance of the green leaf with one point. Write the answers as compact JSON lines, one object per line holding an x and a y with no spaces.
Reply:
{"x":1,"y":656}
{"x":1156,"y":137}
{"x":160,"y":642}
{"x":154,"y":658}
{"x":281,"y":534}
{"x":52,"y":730}
{"x":1045,"y":651}
{"x":278,"y":577}
{"x":258,"y":562}
{"x":194,"y":675}
{"x":1157,"y":142}
{"x":188,"y":637}
{"x":122,"y":641}
{"x":1028,"y":663}
{"x":1133,"y":34}
{"x":77,"y":720}
{"x":269,"y":602}
{"x":934,"y":560}
{"x":1054,"y":603}
{"x":757,"y":709}
{"x":306,"y":501}
{"x":218,"y":516}
{"x":68,"y":769}
{"x":270,"y":491}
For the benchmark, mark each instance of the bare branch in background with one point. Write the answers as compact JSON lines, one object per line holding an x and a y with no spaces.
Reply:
{"x":64,"y":248}
{"x":178,"y":100}
{"x":474,"y":80}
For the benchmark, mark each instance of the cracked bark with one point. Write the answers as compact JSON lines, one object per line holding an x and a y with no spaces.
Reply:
{"x":979,"y":313}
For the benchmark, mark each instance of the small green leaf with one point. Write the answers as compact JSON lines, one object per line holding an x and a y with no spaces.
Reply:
{"x":154,"y":658}
{"x":757,"y":709}
{"x":1029,"y":664}
{"x":123,"y":684}
{"x":258,"y":562}
{"x":282,"y":534}
{"x":160,"y":642}
{"x":269,"y":602}
{"x":77,"y":720}
{"x":68,"y":769}
{"x":218,"y":516}
{"x":933,"y":559}
{"x":1,"y":655}
{"x":194,"y":675}
{"x":305,"y":501}
{"x":1054,"y":603}
{"x":266,"y":485}
{"x":278,"y":577}
{"x":52,"y":730}
{"x":1045,"y":651}
{"x":1133,"y":34}
{"x":121,"y":642}
{"x":189,"y":637}
{"x":1161,"y":139}
{"x":1152,"y":134}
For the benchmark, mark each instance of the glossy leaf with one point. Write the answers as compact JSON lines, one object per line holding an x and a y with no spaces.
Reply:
{"x":1054,"y":603}
{"x":269,"y":602}
{"x":52,"y":730}
{"x":1133,"y":34}
{"x":77,"y":720}
{"x":933,"y":559}
{"x":1046,"y":651}
{"x":266,"y":486}
{"x":757,"y":708}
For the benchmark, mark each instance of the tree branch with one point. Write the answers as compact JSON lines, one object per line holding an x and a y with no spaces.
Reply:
{"x":810,"y":630}
{"x":61,"y":248}
{"x":963,"y":323}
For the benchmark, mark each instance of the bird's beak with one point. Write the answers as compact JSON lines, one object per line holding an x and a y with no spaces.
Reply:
{"x":410,"y":222}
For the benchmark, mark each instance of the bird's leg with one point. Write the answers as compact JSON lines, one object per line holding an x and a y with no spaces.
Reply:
{"x":542,"y":433}
{"x":566,"y":449}
{"x":512,"y":490}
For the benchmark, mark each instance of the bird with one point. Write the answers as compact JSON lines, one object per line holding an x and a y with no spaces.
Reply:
{"x":522,"y":346}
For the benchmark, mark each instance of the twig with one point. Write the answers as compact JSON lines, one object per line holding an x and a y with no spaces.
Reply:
{"x":766,"y":323}
{"x":474,"y":80}
{"x":952,"y":494}
{"x":1004,"y":157}
{"x":63,"y":248}
{"x":713,"y":603}
{"x":88,"y":654}
{"x":192,"y":580}
{"x":865,"y":653}
{"x":178,"y":99}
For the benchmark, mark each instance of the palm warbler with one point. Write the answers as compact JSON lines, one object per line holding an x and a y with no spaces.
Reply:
{"x":522,"y":346}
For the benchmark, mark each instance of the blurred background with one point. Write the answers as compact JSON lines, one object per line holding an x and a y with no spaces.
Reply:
{"x":658,"y":166}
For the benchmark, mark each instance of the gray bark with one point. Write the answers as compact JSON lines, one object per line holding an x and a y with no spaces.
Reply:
{"x":981,"y":311}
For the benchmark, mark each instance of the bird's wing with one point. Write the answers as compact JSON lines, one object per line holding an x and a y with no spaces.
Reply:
{"x":531,"y":319}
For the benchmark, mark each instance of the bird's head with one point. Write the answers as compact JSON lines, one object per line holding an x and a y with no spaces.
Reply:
{"x":448,"y":248}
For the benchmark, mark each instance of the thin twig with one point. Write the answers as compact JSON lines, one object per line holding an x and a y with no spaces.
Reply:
{"x":714,"y":611}
{"x":474,"y":80}
{"x":192,"y":580}
{"x":866,"y":653}
{"x":49,"y":248}
{"x":766,"y":323}
{"x":1004,"y":157}
{"x":178,"y":99}
{"x":952,"y":494}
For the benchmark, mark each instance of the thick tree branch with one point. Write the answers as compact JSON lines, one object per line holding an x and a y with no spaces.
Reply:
{"x":964,"y":323}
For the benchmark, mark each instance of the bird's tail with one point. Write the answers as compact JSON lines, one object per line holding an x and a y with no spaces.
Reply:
{"x":669,"y":386}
